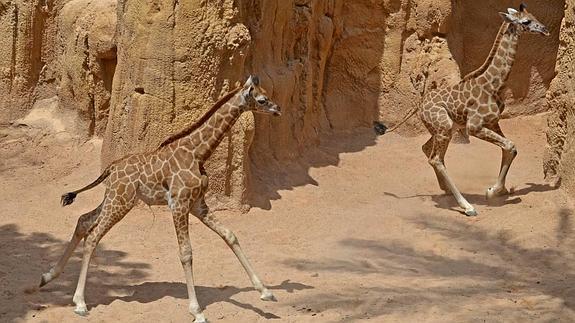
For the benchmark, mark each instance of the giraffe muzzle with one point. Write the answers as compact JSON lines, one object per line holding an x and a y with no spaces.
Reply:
{"x":276,"y":111}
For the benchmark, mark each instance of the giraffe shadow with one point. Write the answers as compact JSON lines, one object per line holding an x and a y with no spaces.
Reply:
{"x":25,"y":256}
{"x":498,"y":265}
{"x":149,"y":292}
{"x":447,"y":201}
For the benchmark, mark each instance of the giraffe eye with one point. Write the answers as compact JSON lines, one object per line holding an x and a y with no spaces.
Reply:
{"x":526,"y":22}
{"x":261,"y":100}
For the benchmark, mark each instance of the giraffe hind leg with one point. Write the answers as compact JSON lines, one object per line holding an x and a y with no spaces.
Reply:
{"x":113,"y":210}
{"x":427,"y":150}
{"x":85,"y":223}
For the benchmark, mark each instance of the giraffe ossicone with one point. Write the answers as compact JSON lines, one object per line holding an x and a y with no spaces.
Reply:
{"x":172,"y":174}
{"x":474,"y":104}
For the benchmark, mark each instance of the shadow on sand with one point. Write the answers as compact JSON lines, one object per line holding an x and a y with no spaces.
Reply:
{"x":479,"y":265}
{"x":26,"y":256}
{"x":446,"y":201}
{"x":152,"y":291}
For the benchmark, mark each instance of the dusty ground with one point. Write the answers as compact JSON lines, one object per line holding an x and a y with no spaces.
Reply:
{"x":358,"y":231}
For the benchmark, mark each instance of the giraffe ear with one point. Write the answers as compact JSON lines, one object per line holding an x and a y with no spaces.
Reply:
{"x":511,"y":11}
{"x":253,"y":80}
{"x":507,"y":17}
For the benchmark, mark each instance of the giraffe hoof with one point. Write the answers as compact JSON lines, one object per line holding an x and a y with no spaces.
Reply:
{"x":268,"y":296}
{"x":82,"y":311}
{"x":43,"y":281}
{"x":46,"y":278}
{"x":471,"y":212}
{"x":493,"y":192}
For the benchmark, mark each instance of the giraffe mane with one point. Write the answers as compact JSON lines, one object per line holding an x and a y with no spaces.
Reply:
{"x":189,"y":129}
{"x":504,"y":27}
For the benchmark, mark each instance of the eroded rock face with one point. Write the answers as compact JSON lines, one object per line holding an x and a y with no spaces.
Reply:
{"x":137,"y":71}
{"x":559,"y":159}
{"x":63,"y":49}
{"x":87,"y":60}
{"x":24,"y":39}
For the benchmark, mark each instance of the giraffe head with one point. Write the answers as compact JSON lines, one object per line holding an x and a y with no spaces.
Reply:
{"x":524,"y":21}
{"x":255,"y":99}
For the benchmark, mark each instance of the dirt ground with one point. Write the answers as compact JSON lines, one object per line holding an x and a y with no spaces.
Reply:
{"x":356,"y":231}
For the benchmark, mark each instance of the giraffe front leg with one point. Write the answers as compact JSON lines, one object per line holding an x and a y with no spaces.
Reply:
{"x":180,"y":212}
{"x":201,"y":211}
{"x":508,"y":154}
{"x":427,"y":149}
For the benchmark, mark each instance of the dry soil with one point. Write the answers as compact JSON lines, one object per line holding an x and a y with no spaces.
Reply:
{"x":356,"y":231}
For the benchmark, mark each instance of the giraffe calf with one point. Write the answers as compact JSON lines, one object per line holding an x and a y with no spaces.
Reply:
{"x":173,"y":174}
{"x":474,"y":104}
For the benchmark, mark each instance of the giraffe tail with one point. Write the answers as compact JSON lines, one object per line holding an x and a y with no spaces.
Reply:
{"x":381,"y":129}
{"x":68,"y":198}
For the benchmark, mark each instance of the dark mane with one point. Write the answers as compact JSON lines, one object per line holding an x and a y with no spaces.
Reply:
{"x":502,"y":30}
{"x":189,"y":129}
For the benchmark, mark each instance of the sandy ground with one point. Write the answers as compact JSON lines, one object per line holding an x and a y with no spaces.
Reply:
{"x":356,"y":231}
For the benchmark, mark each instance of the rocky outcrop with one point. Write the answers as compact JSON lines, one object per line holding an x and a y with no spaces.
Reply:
{"x":559,"y":159}
{"x":62,"y":50}
{"x":86,"y":60}
{"x":26,"y":33}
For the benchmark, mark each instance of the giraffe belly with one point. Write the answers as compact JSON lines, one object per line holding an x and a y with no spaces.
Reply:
{"x":152,"y":196}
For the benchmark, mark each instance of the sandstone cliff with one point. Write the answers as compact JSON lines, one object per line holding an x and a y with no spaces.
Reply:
{"x":135,"y":71}
{"x":559,"y":160}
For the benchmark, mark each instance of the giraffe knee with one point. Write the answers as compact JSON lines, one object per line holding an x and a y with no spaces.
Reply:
{"x":473,"y":129}
{"x":186,"y":255}
{"x":230,"y":237}
{"x":511,"y":149}
{"x":435,"y":162}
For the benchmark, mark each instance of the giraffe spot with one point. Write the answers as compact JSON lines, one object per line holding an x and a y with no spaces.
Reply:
{"x":483,"y":109}
{"x":166,"y":171}
{"x":476,"y":91}
{"x":482,"y":80}
{"x":498,"y":62}
{"x":484,"y":98}
{"x":493,"y":70}
{"x":229,"y":118}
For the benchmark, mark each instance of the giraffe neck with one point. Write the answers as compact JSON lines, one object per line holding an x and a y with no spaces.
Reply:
{"x":496,"y":68}
{"x":204,"y":140}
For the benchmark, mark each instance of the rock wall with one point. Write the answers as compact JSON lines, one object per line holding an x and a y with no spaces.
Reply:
{"x":135,"y":71}
{"x":86,"y":60}
{"x":26,"y":37}
{"x":559,"y":159}
{"x":62,"y":50}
